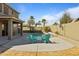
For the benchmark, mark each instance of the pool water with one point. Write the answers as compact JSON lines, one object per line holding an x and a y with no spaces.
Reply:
{"x":34,"y":37}
{"x":38,"y":36}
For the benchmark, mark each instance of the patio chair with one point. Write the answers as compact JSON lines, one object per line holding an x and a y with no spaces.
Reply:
{"x":45,"y":38}
{"x":32,"y":38}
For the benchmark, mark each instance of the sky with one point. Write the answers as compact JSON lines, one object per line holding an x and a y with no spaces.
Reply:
{"x":52,"y":12}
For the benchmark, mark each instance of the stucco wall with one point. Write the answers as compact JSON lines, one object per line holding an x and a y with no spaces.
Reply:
{"x":70,"y":30}
{"x":53,"y":28}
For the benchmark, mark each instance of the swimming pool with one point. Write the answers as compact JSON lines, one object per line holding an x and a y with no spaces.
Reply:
{"x":38,"y":36}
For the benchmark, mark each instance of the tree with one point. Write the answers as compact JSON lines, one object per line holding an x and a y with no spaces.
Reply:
{"x":55,"y":23}
{"x":65,"y":19}
{"x":31,"y":22}
{"x":44,"y":22}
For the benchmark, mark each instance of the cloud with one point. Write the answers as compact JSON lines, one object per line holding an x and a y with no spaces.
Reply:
{"x":74,"y":13}
{"x":50,"y":19}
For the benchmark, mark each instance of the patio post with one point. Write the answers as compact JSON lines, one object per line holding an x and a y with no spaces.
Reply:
{"x":10,"y":29}
{"x":21,"y":29}
{"x":17,"y":28}
{"x":0,"y":29}
{"x":5,"y":28}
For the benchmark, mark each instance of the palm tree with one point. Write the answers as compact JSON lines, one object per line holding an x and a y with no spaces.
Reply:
{"x":44,"y":22}
{"x":31,"y":22}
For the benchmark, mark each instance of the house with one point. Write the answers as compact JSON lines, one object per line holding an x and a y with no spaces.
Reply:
{"x":9,"y":21}
{"x":75,"y":20}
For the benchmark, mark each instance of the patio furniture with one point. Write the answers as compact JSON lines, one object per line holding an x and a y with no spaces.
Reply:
{"x":45,"y":38}
{"x":32,"y":38}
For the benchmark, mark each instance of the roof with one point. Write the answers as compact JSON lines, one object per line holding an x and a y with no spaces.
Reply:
{"x":75,"y":20}
{"x":11,"y":8}
{"x":10,"y":17}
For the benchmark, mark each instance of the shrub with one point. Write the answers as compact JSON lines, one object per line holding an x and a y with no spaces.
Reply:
{"x":57,"y":32}
{"x":47,"y":29}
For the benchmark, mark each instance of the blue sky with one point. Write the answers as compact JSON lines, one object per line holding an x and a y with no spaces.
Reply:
{"x":38,"y":10}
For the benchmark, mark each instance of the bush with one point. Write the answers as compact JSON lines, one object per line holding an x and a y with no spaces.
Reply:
{"x":47,"y":29}
{"x":57,"y":32}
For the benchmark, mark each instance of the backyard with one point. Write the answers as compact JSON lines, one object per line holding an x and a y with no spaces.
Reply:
{"x":53,"y":34}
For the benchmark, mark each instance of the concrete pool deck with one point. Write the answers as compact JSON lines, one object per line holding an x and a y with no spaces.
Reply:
{"x":42,"y":47}
{"x":22,"y":44}
{"x":21,"y":47}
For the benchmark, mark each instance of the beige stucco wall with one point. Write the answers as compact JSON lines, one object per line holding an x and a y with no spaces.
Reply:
{"x":53,"y":28}
{"x":70,"y":30}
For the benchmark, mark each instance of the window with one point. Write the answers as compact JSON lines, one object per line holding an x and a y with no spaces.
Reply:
{"x":0,"y":7}
{"x":6,"y":10}
{"x":10,"y":11}
{"x":14,"y":14}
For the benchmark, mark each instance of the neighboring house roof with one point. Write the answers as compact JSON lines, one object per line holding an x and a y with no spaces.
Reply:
{"x":24,"y":23}
{"x":75,"y":20}
{"x":38,"y":23}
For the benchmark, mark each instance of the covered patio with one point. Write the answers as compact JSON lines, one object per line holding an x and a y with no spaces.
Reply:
{"x":10,"y":26}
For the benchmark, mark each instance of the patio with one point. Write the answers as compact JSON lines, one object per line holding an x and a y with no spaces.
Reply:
{"x":23,"y":45}
{"x":3,"y":41}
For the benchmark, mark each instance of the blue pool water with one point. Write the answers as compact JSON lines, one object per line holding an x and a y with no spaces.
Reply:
{"x":38,"y":36}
